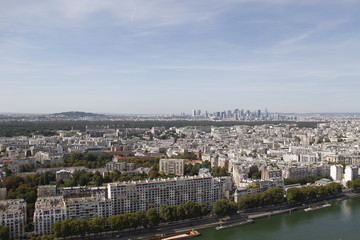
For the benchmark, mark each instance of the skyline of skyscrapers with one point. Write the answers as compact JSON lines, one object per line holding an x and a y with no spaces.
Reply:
{"x":236,"y":114}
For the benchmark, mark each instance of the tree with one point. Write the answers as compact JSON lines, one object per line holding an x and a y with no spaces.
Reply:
{"x":12,"y":182}
{"x":97,"y":224}
{"x":334,"y":188}
{"x":180,"y":212}
{"x":204,"y":209}
{"x":69,"y":183}
{"x":153,"y":174}
{"x":354,"y":184}
{"x":27,"y":167}
{"x":47,"y":178}
{"x":168,"y":213}
{"x":116,"y":222}
{"x":294,"y":195}
{"x":43,"y":237}
{"x":61,"y":229}
{"x":309,"y":192}
{"x":219,"y":171}
{"x":79,"y":226}
{"x":139,"y":219}
{"x":4,"y":233}
{"x":224,"y":207}
{"x":114,"y":175}
{"x":152,"y":217}
{"x":276,"y":194}
{"x":97,"y":179}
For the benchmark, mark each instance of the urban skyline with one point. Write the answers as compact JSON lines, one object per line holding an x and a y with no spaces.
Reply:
{"x":142,"y":57}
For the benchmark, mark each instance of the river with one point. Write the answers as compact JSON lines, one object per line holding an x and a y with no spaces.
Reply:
{"x":340,"y":221}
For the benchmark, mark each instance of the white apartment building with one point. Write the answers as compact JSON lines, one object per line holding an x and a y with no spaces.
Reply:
{"x":48,"y":210}
{"x":298,"y":172}
{"x":120,"y":166}
{"x":46,"y":190}
{"x":291,"y":157}
{"x":143,"y":195}
{"x":88,"y":207}
{"x":63,"y":174}
{"x":337,"y":172}
{"x":13,"y":216}
{"x":172,"y":166}
{"x":270,"y":173}
{"x":308,"y":158}
{"x":351,"y":173}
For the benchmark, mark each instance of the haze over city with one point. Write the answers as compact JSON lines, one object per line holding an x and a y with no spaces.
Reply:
{"x":173,"y":56}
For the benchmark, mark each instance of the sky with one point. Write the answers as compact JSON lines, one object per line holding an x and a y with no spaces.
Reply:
{"x":172,"y":56}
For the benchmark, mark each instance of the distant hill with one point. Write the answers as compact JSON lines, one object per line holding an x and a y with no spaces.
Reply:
{"x":76,"y":114}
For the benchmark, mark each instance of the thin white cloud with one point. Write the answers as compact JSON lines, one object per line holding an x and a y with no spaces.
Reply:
{"x":296,"y":39}
{"x":155,"y":12}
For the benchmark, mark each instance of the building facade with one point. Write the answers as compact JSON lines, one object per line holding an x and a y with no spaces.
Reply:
{"x":48,"y":210}
{"x":351,"y":173}
{"x":88,"y":207}
{"x":337,"y":172}
{"x":13,"y":216}
{"x":143,"y":195}
{"x":172,"y":166}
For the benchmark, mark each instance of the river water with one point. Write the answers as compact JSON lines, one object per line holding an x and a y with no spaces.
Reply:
{"x":340,"y":221}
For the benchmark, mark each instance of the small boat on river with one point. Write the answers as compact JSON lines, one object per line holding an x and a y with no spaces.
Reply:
{"x":221,"y":227}
{"x":190,"y":234}
{"x":317,"y":207}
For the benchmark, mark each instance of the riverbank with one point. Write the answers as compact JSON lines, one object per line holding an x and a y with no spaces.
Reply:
{"x":214,"y":222}
{"x":166,"y":229}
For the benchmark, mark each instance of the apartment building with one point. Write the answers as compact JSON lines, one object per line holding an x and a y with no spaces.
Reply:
{"x":13,"y":216}
{"x":46,"y":190}
{"x":63,"y":174}
{"x":172,"y":166}
{"x":351,"y":173}
{"x":270,"y":173}
{"x":120,"y":166}
{"x":129,"y":197}
{"x":337,"y":172}
{"x":48,"y":210}
{"x":298,"y":172}
{"x":88,"y":207}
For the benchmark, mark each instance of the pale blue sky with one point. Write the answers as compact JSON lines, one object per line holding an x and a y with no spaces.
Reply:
{"x":157,"y":56}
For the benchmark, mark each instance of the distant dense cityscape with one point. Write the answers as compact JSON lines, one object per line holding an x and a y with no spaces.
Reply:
{"x":90,"y":170}
{"x":241,"y":115}
{"x":195,"y":115}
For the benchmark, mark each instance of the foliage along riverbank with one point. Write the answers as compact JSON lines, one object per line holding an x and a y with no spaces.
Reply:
{"x":192,"y":210}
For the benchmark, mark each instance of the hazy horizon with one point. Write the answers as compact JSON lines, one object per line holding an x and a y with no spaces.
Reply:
{"x":174,"y":113}
{"x":172,"y":56}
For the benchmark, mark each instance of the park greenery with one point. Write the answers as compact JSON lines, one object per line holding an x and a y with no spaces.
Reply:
{"x":189,"y":155}
{"x":354,"y":185}
{"x":43,"y":237}
{"x":224,"y":207}
{"x":4,"y":233}
{"x":27,"y":167}
{"x":307,"y":194}
{"x":272,"y":196}
{"x":219,"y":171}
{"x":84,"y":178}
{"x":187,"y":210}
{"x":88,"y":160}
{"x":50,"y":128}
{"x":26,"y":188}
{"x":304,"y":181}
{"x":193,"y":169}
